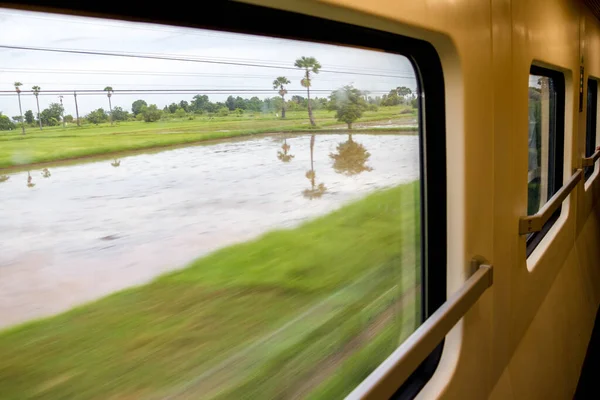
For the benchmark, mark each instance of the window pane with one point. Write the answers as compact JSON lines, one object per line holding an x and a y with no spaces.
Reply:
{"x":590,"y":127}
{"x":244,"y":212}
{"x":546,"y":124}
{"x":541,"y":129}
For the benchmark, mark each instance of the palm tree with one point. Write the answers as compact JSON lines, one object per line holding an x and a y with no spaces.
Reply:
{"x":278,"y":83}
{"x":283,"y":155}
{"x":116,"y":163}
{"x":109,"y":91}
{"x":309,"y":64}
{"x":36,"y":93}
{"x":315,"y":191}
{"x":18,"y":89}
{"x":4,"y":178}
{"x":46,"y":173}
{"x":30,"y":183}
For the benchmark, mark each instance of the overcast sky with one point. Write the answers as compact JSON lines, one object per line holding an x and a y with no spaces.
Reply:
{"x":59,"y":71}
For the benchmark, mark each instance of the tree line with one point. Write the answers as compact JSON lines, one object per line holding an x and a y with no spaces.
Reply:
{"x":348,"y":102}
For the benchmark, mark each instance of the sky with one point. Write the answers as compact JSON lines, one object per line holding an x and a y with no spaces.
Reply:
{"x":72,"y":72}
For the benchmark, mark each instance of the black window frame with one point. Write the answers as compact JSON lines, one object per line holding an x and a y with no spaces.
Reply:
{"x":251,"y":19}
{"x":556,"y":144}
{"x":591,"y":119}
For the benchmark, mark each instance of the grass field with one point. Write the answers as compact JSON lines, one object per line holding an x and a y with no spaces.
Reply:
{"x":310,"y":311}
{"x":58,"y":143}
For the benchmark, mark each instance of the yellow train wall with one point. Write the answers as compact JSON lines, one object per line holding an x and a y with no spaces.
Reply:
{"x":527,"y":336}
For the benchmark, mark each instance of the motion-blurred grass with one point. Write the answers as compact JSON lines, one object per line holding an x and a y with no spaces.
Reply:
{"x":58,"y":143}
{"x":157,"y":339}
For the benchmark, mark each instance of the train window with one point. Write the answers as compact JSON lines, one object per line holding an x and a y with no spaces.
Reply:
{"x":253,"y":215}
{"x":590,"y":123}
{"x":546,"y":142}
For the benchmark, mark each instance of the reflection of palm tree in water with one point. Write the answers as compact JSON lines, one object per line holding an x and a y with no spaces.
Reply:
{"x":283,"y":155}
{"x":4,"y":178}
{"x":30,"y":180}
{"x":315,"y":190}
{"x":116,"y":163}
{"x":351,"y":158}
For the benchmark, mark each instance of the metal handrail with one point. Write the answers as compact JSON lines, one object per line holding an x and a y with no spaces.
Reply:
{"x":589,"y":161}
{"x":535,"y":223}
{"x":387,"y":378}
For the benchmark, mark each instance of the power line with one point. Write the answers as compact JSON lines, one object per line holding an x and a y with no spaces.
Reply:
{"x":155,"y":73}
{"x":160,"y":90}
{"x":272,"y":63}
{"x":171,"y":58}
{"x":176,"y":89}
{"x":122,"y":86}
{"x":194,"y":32}
{"x":129,"y":86}
{"x":166,"y":92}
{"x":145,"y":27}
{"x":137,"y":93}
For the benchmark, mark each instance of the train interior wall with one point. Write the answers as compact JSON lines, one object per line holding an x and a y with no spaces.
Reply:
{"x":527,"y":336}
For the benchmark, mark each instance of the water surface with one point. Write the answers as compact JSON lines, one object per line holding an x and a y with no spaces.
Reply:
{"x":78,"y":232}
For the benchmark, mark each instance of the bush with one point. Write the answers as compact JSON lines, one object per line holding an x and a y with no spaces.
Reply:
{"x":349,"y":104}
{"x":151,"y":113}
{"x":6,"y":124}
{"x":180,"y":113}
{"x":138,"y":106}
{"x":118,"y":114}
{"x":407,"y":111}
{"x":97,"y":116}
{"x":51,"y":116}
{"x":223,"y":112}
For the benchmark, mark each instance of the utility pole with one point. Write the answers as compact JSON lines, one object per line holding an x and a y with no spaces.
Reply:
{"x":62,"y":111}
{"x":17,"y":84}
{"x":76,"y":108}
{"x":109,"y":91}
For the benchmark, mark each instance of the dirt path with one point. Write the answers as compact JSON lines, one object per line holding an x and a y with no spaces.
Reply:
{"x":213,"y":381}
{"x":330,"y":364}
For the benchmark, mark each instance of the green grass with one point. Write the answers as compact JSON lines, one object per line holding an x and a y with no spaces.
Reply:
{"x":347,"y":268}
{"x":360,"y":364}
{"x":57,"y":143}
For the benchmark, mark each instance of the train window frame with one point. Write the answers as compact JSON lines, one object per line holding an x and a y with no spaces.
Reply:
{"x":556,"y":156}
{"x":259,"y":20}
{"x":591,"y":124}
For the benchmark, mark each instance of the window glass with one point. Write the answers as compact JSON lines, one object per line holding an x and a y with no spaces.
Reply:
{"x":195,"y":214}
{"x":545,"y":142}
{"x":590,"y":126}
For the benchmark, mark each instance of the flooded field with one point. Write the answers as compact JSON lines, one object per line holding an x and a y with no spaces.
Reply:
{"x":72,"y":234}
